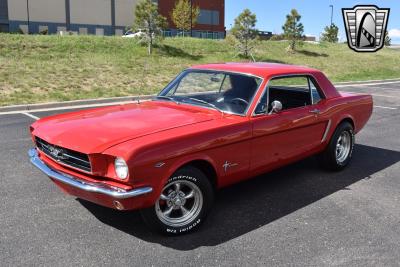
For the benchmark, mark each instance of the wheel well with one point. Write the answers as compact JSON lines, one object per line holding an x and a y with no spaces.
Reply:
{"x":349,"y":120}
{"x":207,"y":168}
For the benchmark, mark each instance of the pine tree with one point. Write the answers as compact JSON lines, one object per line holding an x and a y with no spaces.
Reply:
{"x":293,"y":29}
{"x":245,"y":33}
{"x":331,"y":34}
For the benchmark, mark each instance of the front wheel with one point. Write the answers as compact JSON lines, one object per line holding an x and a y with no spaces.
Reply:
{"x":339,"y":151}
{"x":183,"y":204}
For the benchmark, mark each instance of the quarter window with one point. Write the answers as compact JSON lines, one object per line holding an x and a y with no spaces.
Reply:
{"x":316,"y":96}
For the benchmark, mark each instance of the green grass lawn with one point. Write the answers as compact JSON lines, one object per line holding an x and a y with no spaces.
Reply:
{"x":52,"y":68}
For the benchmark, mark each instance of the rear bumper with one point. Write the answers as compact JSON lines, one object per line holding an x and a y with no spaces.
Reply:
{"x":99,"y":193}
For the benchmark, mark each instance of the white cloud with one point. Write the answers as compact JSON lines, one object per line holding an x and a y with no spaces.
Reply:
{"x":394,"y":33}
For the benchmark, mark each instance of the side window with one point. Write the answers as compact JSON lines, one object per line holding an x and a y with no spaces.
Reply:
{"x":294,"y":83}
{"x":316,"y":96}
{"x":291,"y":91}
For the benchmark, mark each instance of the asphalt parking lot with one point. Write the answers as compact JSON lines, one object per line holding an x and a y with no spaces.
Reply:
{"x":299,"y":215}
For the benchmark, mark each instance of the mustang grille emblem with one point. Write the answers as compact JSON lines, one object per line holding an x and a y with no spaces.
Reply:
{"x":57,"y":152}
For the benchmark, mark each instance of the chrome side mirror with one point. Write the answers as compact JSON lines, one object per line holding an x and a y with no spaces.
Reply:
{"x":276,"y":107}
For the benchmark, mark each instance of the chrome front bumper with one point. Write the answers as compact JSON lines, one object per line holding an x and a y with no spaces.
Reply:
{"x":83,"y":185}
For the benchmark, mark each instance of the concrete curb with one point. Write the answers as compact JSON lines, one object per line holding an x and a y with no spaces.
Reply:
{"x":74,"y":103}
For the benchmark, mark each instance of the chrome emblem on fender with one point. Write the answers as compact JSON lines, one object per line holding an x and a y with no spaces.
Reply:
{"x":227,"y":165}
{"x":159,"y":165}
{"x":365,"y":27}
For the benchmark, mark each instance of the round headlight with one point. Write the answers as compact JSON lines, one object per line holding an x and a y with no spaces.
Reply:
{"x":121,"y":169}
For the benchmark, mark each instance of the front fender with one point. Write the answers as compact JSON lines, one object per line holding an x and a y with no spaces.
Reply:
{"x":177,"y":163}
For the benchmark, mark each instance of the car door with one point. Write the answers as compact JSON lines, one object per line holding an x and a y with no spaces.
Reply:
{"x":296,"y":130}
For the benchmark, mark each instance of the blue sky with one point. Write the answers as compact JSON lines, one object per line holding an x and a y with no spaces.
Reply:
{"x":316,"y":14}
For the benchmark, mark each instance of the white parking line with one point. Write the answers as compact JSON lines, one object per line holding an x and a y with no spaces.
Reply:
{"x":385,"y":107}
{"x":31,"y":116}
{"x":389,"y":96}
{"x":360,"y":93}
{"x":382,"y":90}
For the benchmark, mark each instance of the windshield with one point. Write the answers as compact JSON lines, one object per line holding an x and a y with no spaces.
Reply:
{"x":226,"y":92}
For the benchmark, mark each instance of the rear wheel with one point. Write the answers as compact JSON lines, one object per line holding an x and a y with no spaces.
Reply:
{"x":183,"y":204}
{"x":339,"y":151}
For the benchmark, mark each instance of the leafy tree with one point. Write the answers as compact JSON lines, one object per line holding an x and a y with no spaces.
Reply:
{"x":388,"y":40}
{"x":149,"y":21}
{"x":331,"y":34}
{"x":184,"y":16}
{"x":293,"y":29}
{"x":245,"y":32}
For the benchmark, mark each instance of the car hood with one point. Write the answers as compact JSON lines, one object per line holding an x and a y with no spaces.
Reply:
{"x":93,"y":131}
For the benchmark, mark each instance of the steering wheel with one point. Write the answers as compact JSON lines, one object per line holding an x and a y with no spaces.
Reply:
{"x":238,"y":99}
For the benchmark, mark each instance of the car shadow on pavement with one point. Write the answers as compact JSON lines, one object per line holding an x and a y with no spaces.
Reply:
{"x":255,"y":203}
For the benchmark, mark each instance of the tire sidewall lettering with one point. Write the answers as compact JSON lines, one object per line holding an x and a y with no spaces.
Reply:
{"x":190,"y":227}
{"x":183,"y":177}
{"x":184,"y":229}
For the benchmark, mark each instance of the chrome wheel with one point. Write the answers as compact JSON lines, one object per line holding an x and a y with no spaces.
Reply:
{"x":343,"y":146}
{"x":179,"y":204}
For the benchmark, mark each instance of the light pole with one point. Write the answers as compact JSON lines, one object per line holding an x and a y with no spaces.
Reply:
{"x":331,"y":6}
{"x":191,"y":18}
{"x":27,"y":12}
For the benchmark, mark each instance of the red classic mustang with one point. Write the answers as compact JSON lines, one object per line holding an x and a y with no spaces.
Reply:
{"x":212,"y":126}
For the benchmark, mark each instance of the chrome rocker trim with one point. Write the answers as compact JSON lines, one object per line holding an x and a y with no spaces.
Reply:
{"x":82,"y":185}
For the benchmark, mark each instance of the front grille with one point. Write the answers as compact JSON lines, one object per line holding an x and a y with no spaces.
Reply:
{"x":63,"y":155}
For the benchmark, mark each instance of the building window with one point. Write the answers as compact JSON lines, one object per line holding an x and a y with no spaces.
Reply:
{"x":182,"y":33}
{"x":167,"y":33}
{"x":4,"y":28}
{"x":61,"y":29}
{"x":83,"y":31}
{"x":100,"y":31}
{"x":119,"y":32}
{"x":4,"y":11}
{"x":24,"y":28}
{"x":209,"y":17}
{"x":207,"y":35}
{"x":43,"y":29}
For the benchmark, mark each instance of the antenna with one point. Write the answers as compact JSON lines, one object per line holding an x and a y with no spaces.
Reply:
{"x":252,"y":57}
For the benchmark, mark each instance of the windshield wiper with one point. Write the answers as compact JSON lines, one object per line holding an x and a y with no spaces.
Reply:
{"x":207,"y":103}
{"x":169,"y":98}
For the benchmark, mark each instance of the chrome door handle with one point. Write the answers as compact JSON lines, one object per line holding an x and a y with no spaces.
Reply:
{"x":315,"y":111}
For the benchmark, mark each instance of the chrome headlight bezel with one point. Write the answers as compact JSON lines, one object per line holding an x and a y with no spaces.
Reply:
{"x":121,"y":168}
